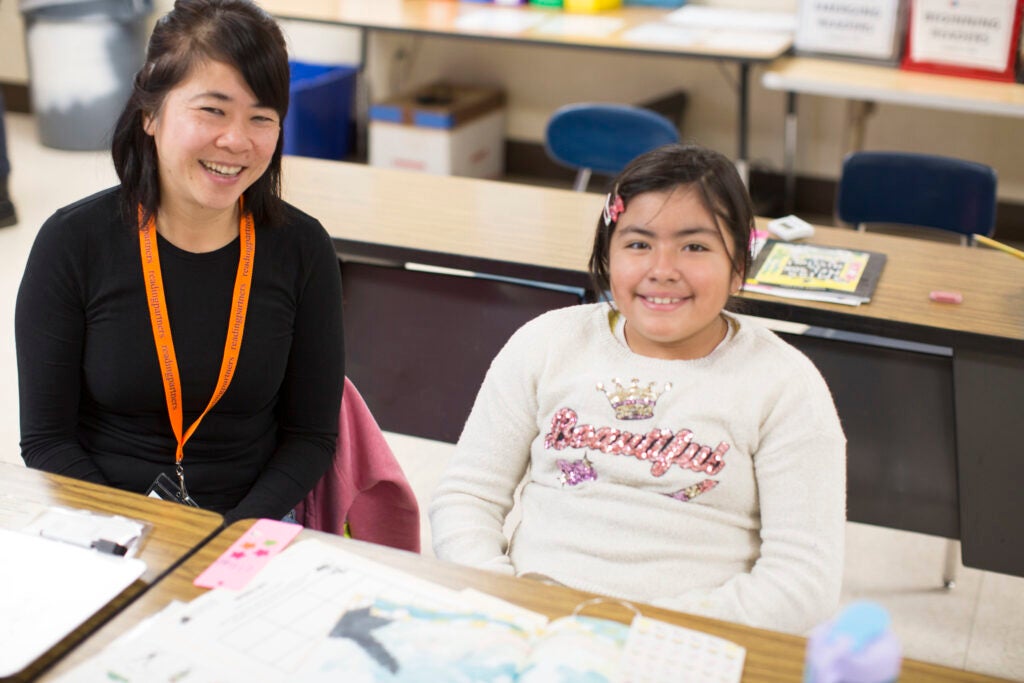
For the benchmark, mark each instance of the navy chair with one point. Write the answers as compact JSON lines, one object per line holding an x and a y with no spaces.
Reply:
{"x":919,"y":190}
{"x":603,"y":138}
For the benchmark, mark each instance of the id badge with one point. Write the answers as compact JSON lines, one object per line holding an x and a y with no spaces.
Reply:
{"x":165,"y":488}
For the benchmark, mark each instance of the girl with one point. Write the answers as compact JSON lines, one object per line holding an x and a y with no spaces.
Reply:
{"x":676,"y":453}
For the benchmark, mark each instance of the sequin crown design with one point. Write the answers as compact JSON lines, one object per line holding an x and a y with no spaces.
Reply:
{"x":633,"y":402}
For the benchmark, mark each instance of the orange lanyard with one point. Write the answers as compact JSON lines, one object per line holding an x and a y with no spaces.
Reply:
{"x":162,"y":331}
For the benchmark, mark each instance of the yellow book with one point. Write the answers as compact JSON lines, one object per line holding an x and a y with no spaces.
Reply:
{"x":809,"y":271}
{"x":591,"y":5}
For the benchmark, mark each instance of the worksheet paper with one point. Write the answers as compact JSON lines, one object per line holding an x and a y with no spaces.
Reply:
{"x":49,"y":589}
{"x":319,"y":614}
{"x":276,"y":629}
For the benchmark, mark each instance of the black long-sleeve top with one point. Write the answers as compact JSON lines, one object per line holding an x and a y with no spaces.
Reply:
{"x":92,"y":399}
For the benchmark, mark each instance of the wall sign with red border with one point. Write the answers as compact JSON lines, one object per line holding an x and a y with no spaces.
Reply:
{"x":973,"y":38}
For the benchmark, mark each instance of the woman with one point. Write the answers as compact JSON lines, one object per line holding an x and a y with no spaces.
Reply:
{"x":184,"y":328}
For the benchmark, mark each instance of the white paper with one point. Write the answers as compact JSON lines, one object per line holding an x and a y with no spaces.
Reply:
{"x":581,"y":26}
{"x":284,"y":626}
{"x":273,"y":630}
{"x":806,"y":294}
{"x":663,"y":34}
{"x":862,"y":28}
{"x":968,"y":33}
{"x":699,"y":16}
{"x":82,"y":527}
{"x":49,"y":589}
{"x":657,"y":651}
{"x":499,"y":20}
{"x":713,"y":39}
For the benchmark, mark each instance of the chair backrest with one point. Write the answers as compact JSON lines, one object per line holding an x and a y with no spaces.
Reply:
{"x":917,"y":189}
{"x":604,"y":137}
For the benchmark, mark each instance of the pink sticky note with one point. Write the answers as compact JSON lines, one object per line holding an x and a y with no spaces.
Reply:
{"x":247,"y":555}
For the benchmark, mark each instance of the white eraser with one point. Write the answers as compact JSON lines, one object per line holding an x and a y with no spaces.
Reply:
{"x":790,"y":228}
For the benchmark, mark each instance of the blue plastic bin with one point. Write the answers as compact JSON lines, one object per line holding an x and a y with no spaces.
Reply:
{"x":319,"y":120}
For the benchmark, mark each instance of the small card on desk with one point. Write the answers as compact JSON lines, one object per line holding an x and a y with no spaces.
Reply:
{"x":247,"y":556}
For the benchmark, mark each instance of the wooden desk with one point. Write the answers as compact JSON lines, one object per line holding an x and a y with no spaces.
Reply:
{"x":771,"y":656}
{"x":931,"y":443}
{"x":866,"y":84}
{"x":546,"y":234}
{"x":175,"y":532}
{"x":875,"y":83}
{"x":441,"y":18}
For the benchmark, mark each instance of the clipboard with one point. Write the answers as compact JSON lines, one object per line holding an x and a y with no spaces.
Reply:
{"x":112,"y":534}
{"x":64,"y":582}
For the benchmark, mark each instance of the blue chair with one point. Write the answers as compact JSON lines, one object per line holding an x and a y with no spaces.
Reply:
{"x":917,"y":189}
{"x":920,"y":190}
{"x":603,"y":138}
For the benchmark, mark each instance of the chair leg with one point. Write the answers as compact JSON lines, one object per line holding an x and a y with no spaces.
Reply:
{"x":952,"y":565}
{"x":857,"y":114}
{"x":582,"y":179}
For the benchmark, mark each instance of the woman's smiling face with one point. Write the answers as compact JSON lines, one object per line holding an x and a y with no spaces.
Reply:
{"x":671,"y":273}
{"x":213,"y":139}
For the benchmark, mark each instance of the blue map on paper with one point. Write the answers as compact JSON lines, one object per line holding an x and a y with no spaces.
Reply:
{"x":405,"y":644}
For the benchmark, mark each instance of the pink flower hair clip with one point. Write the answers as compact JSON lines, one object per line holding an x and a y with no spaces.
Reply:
{"x":613,"y":208}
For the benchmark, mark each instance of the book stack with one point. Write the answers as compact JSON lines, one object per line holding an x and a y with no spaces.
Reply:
{"x":816,"y":273}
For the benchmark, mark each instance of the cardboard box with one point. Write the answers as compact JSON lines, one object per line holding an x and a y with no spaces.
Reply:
{"x":442,"y":129}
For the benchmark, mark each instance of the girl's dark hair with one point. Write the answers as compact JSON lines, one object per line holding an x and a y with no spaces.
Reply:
{"x":717,"y":184}
{"x":234,"y":32}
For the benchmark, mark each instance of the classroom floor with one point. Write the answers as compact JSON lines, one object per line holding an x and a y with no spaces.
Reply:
{"x":978,"y":626}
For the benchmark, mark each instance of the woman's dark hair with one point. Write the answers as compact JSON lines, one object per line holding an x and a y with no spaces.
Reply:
{"x":234,"y":32}
{"x":718,"y":186}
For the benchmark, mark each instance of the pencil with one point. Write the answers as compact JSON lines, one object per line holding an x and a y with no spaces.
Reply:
{"x":987,"y":241}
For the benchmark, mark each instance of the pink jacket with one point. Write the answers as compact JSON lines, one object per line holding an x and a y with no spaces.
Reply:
{"x":364,"y":486}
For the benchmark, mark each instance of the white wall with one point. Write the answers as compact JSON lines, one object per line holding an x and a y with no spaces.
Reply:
{"x":539,"y":79}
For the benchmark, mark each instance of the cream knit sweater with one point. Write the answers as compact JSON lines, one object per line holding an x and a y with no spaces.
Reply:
{"x":714,"y":486}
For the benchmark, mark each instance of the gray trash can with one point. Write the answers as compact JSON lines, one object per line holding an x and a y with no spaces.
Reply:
{"x":82,"y":58}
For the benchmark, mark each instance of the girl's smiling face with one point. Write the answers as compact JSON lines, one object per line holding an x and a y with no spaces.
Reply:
{"x":671,"y":272}
{"x":213,"y":139}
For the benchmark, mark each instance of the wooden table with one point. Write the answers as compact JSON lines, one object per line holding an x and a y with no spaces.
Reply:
{"x":175,"y":531}
{"x":771,"y":656}
{"x":867,"y":84}
{"x":546,"y":234}
{"x":928,"y":394}
{"x":442,"y":18}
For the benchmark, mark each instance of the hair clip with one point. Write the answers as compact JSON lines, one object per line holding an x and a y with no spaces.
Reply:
{"x":613,"y":208}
